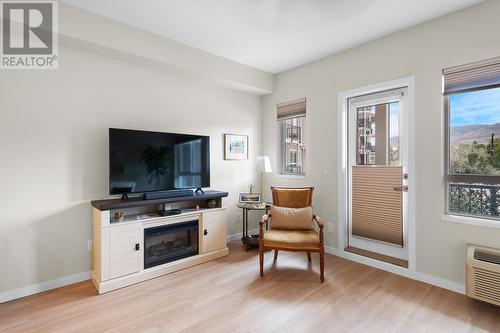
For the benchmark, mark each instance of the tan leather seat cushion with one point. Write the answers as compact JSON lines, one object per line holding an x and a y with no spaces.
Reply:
{"x":291,"y":218}
{"x":292,"y":239}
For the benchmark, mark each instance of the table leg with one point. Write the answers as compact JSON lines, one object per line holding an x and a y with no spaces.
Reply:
{"x":243,"y":227}
{"x":246,"y":229}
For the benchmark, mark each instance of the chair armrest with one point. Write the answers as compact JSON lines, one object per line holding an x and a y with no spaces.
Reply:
{"x":321,"y":225}
{"x":264,"y":219}
{"x":319,"y":221}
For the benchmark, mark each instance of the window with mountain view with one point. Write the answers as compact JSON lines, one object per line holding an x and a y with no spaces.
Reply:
{"x":472,"y":99}
{"x":475,"y":132}
{"x":474,"y":153}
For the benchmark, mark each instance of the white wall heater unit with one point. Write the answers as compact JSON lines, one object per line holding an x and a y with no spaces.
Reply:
{"x":483,"y":274}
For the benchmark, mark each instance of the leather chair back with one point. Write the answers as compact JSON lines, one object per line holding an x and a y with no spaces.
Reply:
{"x":293,"y":197}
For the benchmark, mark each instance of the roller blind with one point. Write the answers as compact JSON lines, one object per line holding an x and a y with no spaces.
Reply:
{"x":292,"y":109}
{"x":477,"y":75}
{"x":377,"y":205}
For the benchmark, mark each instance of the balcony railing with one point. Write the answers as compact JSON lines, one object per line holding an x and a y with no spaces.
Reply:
{"x":474,"y":199}
{"x":293,"y":133}
{"x":293,"y":168}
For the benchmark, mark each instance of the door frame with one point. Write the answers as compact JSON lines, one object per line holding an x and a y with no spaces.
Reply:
{"x":385,"y":97}
{"x":343,"y":163}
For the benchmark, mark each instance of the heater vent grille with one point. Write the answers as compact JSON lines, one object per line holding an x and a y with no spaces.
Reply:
{"x":483,"y":274}
{"x":487,"y":285}
{"x":487,"y":257}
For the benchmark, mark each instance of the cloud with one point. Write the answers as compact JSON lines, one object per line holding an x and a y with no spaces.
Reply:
{"x":473,"y":108}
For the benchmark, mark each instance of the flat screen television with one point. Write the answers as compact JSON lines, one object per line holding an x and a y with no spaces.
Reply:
{"x":142,"y":161}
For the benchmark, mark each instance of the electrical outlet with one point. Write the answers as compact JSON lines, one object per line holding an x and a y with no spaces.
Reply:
{"x":328,"y":170}
{"x":90,"y":244}
{"x":329,"y":227}
{"x":238,"y":218}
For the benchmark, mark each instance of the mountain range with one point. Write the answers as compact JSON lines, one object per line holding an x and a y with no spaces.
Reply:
{"x":470,"y":133}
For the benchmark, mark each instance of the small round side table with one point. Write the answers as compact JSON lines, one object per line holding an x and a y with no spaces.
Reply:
{"x":251,"y":241}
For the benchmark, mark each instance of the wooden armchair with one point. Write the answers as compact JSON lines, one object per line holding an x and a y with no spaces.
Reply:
{"x":287,"y":237}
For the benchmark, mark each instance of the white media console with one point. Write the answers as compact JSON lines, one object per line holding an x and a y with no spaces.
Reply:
{"x":146,"y":245}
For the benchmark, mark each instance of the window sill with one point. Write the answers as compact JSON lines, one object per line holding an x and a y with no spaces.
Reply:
{"x":297,"y":177}
{"x":471,"y":221}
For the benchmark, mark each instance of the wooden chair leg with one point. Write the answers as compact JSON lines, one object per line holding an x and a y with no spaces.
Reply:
{"x":309,"y":256}
{"x":275,"y":254}
{"x":322,"y":264}
{"x":261,"y":259}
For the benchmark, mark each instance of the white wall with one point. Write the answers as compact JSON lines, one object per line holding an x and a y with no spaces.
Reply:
{"x":81,"y":29}
{"x":422,"y":51}
{"x":54,"y":151}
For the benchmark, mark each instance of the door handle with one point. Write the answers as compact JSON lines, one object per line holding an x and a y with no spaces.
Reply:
{"x":137,"y":247}
{"x":401,"y":188}
{"x":205,"y":232}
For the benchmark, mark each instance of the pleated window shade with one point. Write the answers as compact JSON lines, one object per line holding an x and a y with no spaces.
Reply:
{"x":377,"y":207}
{"x":470,"y":77}
{"x":292,"y":109}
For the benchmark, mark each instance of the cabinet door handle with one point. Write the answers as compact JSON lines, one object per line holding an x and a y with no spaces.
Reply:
{"x":205,"y":232}
{"x":137,"y":247}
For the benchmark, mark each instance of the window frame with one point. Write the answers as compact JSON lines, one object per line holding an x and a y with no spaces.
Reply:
{"x":454,"y":178}
{"x":281,"y":123}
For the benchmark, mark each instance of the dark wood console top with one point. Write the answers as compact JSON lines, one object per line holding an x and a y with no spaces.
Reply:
{"x":109,"y":204}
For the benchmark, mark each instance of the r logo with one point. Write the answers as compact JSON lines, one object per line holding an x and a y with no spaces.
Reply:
{"x":29,"y":29}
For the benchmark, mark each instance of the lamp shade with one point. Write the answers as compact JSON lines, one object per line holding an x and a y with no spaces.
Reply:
{"x":263,"y":164}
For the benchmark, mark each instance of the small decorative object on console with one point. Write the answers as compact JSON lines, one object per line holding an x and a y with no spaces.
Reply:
{"x":118,"y":217}
{"x":211,"y":203}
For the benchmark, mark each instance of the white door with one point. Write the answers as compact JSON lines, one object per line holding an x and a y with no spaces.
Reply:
{"x":377,"y":173}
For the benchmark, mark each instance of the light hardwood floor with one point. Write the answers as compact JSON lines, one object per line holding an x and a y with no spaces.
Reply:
{"x":227,"y":295}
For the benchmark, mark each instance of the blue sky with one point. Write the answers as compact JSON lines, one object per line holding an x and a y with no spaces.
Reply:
{"x":473,"y":108}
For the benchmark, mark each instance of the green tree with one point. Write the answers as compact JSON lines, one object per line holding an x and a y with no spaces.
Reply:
{"x":496,"y":154}
{"x":470,"y":159}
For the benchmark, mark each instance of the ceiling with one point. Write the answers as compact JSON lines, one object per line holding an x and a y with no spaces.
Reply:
{"x":273,"y":35}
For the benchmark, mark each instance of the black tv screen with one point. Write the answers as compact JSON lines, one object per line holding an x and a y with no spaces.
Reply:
{"x":142,"y":161}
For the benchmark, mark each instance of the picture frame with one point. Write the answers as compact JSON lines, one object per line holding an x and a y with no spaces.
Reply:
{"x":235,"y":147}
{"x":250,"y":198}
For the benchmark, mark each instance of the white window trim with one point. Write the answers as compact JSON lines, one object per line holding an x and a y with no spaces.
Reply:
{"x":288,"y":176}
{"x":476,"y":221}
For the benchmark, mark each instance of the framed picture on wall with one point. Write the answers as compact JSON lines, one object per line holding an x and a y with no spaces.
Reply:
{"x":235,"y":147}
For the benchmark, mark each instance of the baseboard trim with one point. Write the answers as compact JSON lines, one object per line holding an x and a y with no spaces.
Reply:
{"x":44,"y":286}
{"x":75,"y":278}
{"x":240,"y":234}
{"x":422,"y":277}
{"x":67,"y":280}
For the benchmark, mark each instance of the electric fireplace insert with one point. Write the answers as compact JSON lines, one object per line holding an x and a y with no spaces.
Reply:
{"x":170,"y":242}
